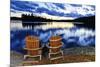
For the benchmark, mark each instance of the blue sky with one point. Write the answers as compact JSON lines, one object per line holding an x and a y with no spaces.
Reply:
{"x":50,"y":9}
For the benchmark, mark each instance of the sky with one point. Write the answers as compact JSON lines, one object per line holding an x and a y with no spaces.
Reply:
{"x":55,"y":10}
{"x":51,"y":10}
{"x":91,"y":2}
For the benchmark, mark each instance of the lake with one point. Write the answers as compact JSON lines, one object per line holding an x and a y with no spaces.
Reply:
{"x":72,"y":36}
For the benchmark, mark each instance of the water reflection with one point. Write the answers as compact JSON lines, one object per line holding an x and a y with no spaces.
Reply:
{"x":71,"y":35}
{"x":40,"y":25}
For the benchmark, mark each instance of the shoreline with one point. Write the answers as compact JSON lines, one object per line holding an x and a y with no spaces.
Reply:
{"x":71,"y":55}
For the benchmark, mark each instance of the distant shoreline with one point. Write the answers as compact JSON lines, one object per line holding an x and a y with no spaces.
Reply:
{"x":88,"y":22}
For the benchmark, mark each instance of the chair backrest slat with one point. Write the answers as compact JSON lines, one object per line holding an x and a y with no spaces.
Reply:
{"x":55,"y":41}
{"x":32,"y":42}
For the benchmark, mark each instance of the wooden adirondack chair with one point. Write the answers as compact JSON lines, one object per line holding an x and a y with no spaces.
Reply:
{"x":55,"y":48}
{"x":32,"y":47}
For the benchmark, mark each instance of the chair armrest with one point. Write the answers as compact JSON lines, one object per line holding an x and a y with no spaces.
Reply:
{"x":32,"y":49}
{"x":55,"y":47}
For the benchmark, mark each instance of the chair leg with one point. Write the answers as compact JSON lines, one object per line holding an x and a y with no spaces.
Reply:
{"x":40,"y":57}
{"x":49,"y":55}
{"x":25,"y":56}
{"x":62,"y":54}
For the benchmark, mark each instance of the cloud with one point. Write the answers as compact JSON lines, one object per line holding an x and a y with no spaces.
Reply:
{"x":79,"y":37}
{"x":55,"y":9}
